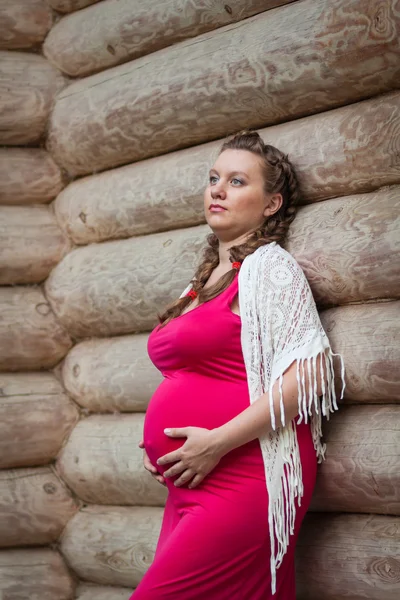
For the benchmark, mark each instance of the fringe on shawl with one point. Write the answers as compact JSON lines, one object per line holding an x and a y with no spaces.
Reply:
{"x":291,"y":485}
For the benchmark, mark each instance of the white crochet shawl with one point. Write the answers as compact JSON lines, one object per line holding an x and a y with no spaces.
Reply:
{"x":280,"y":324}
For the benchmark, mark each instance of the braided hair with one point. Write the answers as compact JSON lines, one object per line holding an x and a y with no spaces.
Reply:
{"x":279,"y":177}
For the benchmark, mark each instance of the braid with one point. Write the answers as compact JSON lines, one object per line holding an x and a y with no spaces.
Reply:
{"x":280,"y":177}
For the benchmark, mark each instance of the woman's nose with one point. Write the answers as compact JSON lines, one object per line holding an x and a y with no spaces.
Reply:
{"x":217,"y":191}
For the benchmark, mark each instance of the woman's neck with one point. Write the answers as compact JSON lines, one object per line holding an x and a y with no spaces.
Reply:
{"x":224,"y":248}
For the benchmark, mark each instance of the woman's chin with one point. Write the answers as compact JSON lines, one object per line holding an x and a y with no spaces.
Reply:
{"x":217,"y":222}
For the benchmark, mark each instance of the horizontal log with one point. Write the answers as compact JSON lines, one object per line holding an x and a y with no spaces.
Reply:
{"x":116,"y":374}
{"x":116,"y":31}
{"x":88,"y":591}
{"x":22,"y":384}
{"x":348,"y":556}
{"x":35,"y":573}
{"x":33,"y":426}
{"x":36,"y":506}
{"x":254,"y":72}
{"x":28,"y":83}
{"x":75,"y":288}
{"x":112,"y":545}
{"x":31,"y":338}
{"x":66,"y":6}
{"x":108,"y":375}
{"x":367,"y":337}
{"x":166,"y":192}
{"x":361,"y":470}
{"x":28,"y":176}
{"x":353,"y":556}
{"x":103,"y":464}
{"x":24,"y":23}
{"x":31,"y":244}
{"x":359,"y":263}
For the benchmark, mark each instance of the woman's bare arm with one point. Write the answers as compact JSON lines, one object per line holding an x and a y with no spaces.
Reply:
{"x":255,"y":420}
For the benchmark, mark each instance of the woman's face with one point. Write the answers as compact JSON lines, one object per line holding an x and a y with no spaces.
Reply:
{"x":236,"y":183}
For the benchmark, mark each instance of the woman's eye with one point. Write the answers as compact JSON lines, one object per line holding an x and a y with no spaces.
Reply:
{"x":237,"y":180}
{"x":212,"y":179}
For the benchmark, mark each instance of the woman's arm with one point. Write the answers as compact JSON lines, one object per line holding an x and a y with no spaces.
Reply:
{"x":255,"y":420}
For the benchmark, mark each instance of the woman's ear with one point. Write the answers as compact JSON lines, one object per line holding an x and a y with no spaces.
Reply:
{"x":274,"y":203}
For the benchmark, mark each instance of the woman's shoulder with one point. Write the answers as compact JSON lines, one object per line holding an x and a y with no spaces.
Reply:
{"x":272,"y":254}
{"x":275,"y":268}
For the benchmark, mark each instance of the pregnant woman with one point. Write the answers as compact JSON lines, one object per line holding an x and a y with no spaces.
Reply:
{"x":234,"y":428}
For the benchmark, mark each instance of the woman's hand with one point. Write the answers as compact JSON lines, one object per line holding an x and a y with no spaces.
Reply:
{"x":149,"y":466}
{"x":196,"y":458}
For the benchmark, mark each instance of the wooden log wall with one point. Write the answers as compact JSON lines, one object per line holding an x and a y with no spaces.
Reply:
{"x":24,"y":23}
{"x":29,"y":84}
{"x":67,"y":6}
{"x":36,"y":414}
{"x":116,"y":31}
{"x":254,"y":73}
{"x":333,"y":154}
{"x":28,"y":176}
{"x":80,"y":516}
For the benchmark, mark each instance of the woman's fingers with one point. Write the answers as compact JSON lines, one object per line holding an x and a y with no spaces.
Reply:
{"x":178,"y":467}
{"x":169,"y":458}
{"x":160,"y":479}
{"x":184,"y":478}
{"x":148,"y":465}
{"x":195,"y":481}
{"x":152,"y":469}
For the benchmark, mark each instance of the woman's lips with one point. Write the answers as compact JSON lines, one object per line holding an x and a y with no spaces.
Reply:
{"x":217,"y":209}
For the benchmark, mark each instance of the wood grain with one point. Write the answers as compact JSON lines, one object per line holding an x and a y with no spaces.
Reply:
{"x":345,"y":151}
{"x":361,"y":470}
{"x":35,"y":507}
{"x":355,"y":557}
{"x":367,"y":335}
{"x":349,"y":150}
{"x":31,"y":244}
{"x":33,"y":425}
{"x":103,"y":464}
{"x":28,"y":176}
{"x":253,"y":71}
{"x":66,"y":6}
{"x":22,"y":384}
{"x":348,"y":247}
{"x":88,"y":591}
{"x":111,"y":375}
{"x":116,"y":374}
{"x":28,"y":85}
{"x":112,"y":545}
{"x":34,"y":573}
{"x":339,"y":556}
{"x":24,"y":23}
{"x":31,"y":337}
{"x":115,"y":31}
{"x":118,"y":287}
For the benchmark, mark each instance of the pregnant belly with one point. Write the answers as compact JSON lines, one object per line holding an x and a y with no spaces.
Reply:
{"x":190,"y":400}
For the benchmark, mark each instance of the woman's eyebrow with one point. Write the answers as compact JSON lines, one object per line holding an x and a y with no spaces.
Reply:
{"x":231,"y":173}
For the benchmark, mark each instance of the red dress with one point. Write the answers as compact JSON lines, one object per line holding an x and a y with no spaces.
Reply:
{"x":214,"y":542}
